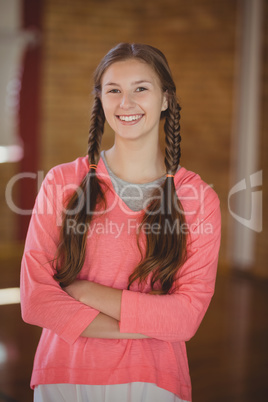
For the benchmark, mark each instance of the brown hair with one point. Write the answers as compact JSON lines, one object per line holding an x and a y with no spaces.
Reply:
{"x":165,"y":251}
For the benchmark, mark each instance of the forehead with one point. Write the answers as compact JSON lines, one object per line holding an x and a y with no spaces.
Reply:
{"x":129,"y":71}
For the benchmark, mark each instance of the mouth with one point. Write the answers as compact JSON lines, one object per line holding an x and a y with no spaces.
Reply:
{"x":130,"y":119}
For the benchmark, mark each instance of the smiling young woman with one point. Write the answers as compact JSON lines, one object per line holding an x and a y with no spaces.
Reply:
{"x":116,"y":271}
{"x":135,"y":104}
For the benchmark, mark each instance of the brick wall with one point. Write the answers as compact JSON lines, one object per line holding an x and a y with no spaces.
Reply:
{"x":198,"y":38}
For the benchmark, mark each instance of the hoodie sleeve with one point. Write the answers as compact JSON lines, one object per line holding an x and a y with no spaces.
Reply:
{"x":43,"y":302}
{"x":177,"y":316}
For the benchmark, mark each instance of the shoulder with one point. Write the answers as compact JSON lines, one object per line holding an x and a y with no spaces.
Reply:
{"x":196,"y":196}
{"x":70,"y":173}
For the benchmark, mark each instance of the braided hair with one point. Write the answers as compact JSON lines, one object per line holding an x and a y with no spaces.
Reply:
{"x":165,"y":250}
{"x":172,"y":136}
{"x":71,"y":250}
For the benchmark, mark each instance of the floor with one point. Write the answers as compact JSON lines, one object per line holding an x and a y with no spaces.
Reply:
{"x":228,"y":356}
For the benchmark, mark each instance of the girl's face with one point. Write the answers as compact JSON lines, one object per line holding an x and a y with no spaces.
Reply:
{"x":132,"y":99}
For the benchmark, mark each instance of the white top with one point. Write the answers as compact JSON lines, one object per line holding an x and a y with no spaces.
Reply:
{"x":132,"y":392}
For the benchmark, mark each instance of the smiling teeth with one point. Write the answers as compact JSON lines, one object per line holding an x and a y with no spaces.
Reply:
{"x":130,"y":118}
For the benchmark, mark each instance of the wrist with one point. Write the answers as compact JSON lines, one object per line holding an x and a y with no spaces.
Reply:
{"x":84,"y":292}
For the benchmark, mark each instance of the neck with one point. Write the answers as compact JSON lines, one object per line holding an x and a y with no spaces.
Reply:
{"x":136,"y":163}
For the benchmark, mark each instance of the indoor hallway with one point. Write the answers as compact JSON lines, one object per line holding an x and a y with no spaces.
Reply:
{"x":218,"y":52}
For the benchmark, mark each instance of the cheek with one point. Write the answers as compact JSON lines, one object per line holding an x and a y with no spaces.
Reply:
{"x":152,"y":103}
{"x":109,"y":112}
{"x":155,"y":107}
{"x":107,"y":107}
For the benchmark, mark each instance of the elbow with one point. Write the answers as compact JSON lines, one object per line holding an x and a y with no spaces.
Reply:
{"x":191,"y":333}
{"x":26,"y":306}
{"x":184,"y":336}
{"x":192,"y":327}
{"x":189,"y":327}
{"x":25,"y":312}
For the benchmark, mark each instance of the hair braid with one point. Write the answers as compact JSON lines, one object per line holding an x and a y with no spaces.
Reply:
{"x":165,"y":253}
{"x":95,"y":131}
{"x":173,"y":137}
{"x":72,"y":247}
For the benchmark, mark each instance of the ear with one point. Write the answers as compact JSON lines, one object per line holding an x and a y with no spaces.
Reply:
{"x":165,"y":102}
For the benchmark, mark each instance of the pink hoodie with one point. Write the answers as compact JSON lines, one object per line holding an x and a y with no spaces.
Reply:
{"x":170,"y":320}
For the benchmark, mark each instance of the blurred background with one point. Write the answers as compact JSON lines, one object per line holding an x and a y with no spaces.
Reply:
{"x":217,"y":51}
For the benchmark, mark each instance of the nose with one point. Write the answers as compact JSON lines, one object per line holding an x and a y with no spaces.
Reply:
{"x":126,"y":101}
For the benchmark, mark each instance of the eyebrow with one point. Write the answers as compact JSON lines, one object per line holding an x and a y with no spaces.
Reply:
{"x":133,"y":83}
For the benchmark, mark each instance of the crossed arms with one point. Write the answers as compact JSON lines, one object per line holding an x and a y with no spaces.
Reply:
{"x":105,"y":299}
{"x":89,"y":309}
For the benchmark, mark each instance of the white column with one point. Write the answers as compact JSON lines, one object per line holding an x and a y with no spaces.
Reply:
{"x":245,"y":197}
{"x":13,"y":42}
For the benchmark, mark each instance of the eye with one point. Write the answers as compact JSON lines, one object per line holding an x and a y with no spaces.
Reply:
{"x":114,"y":91}
{"x":141,"y":89}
